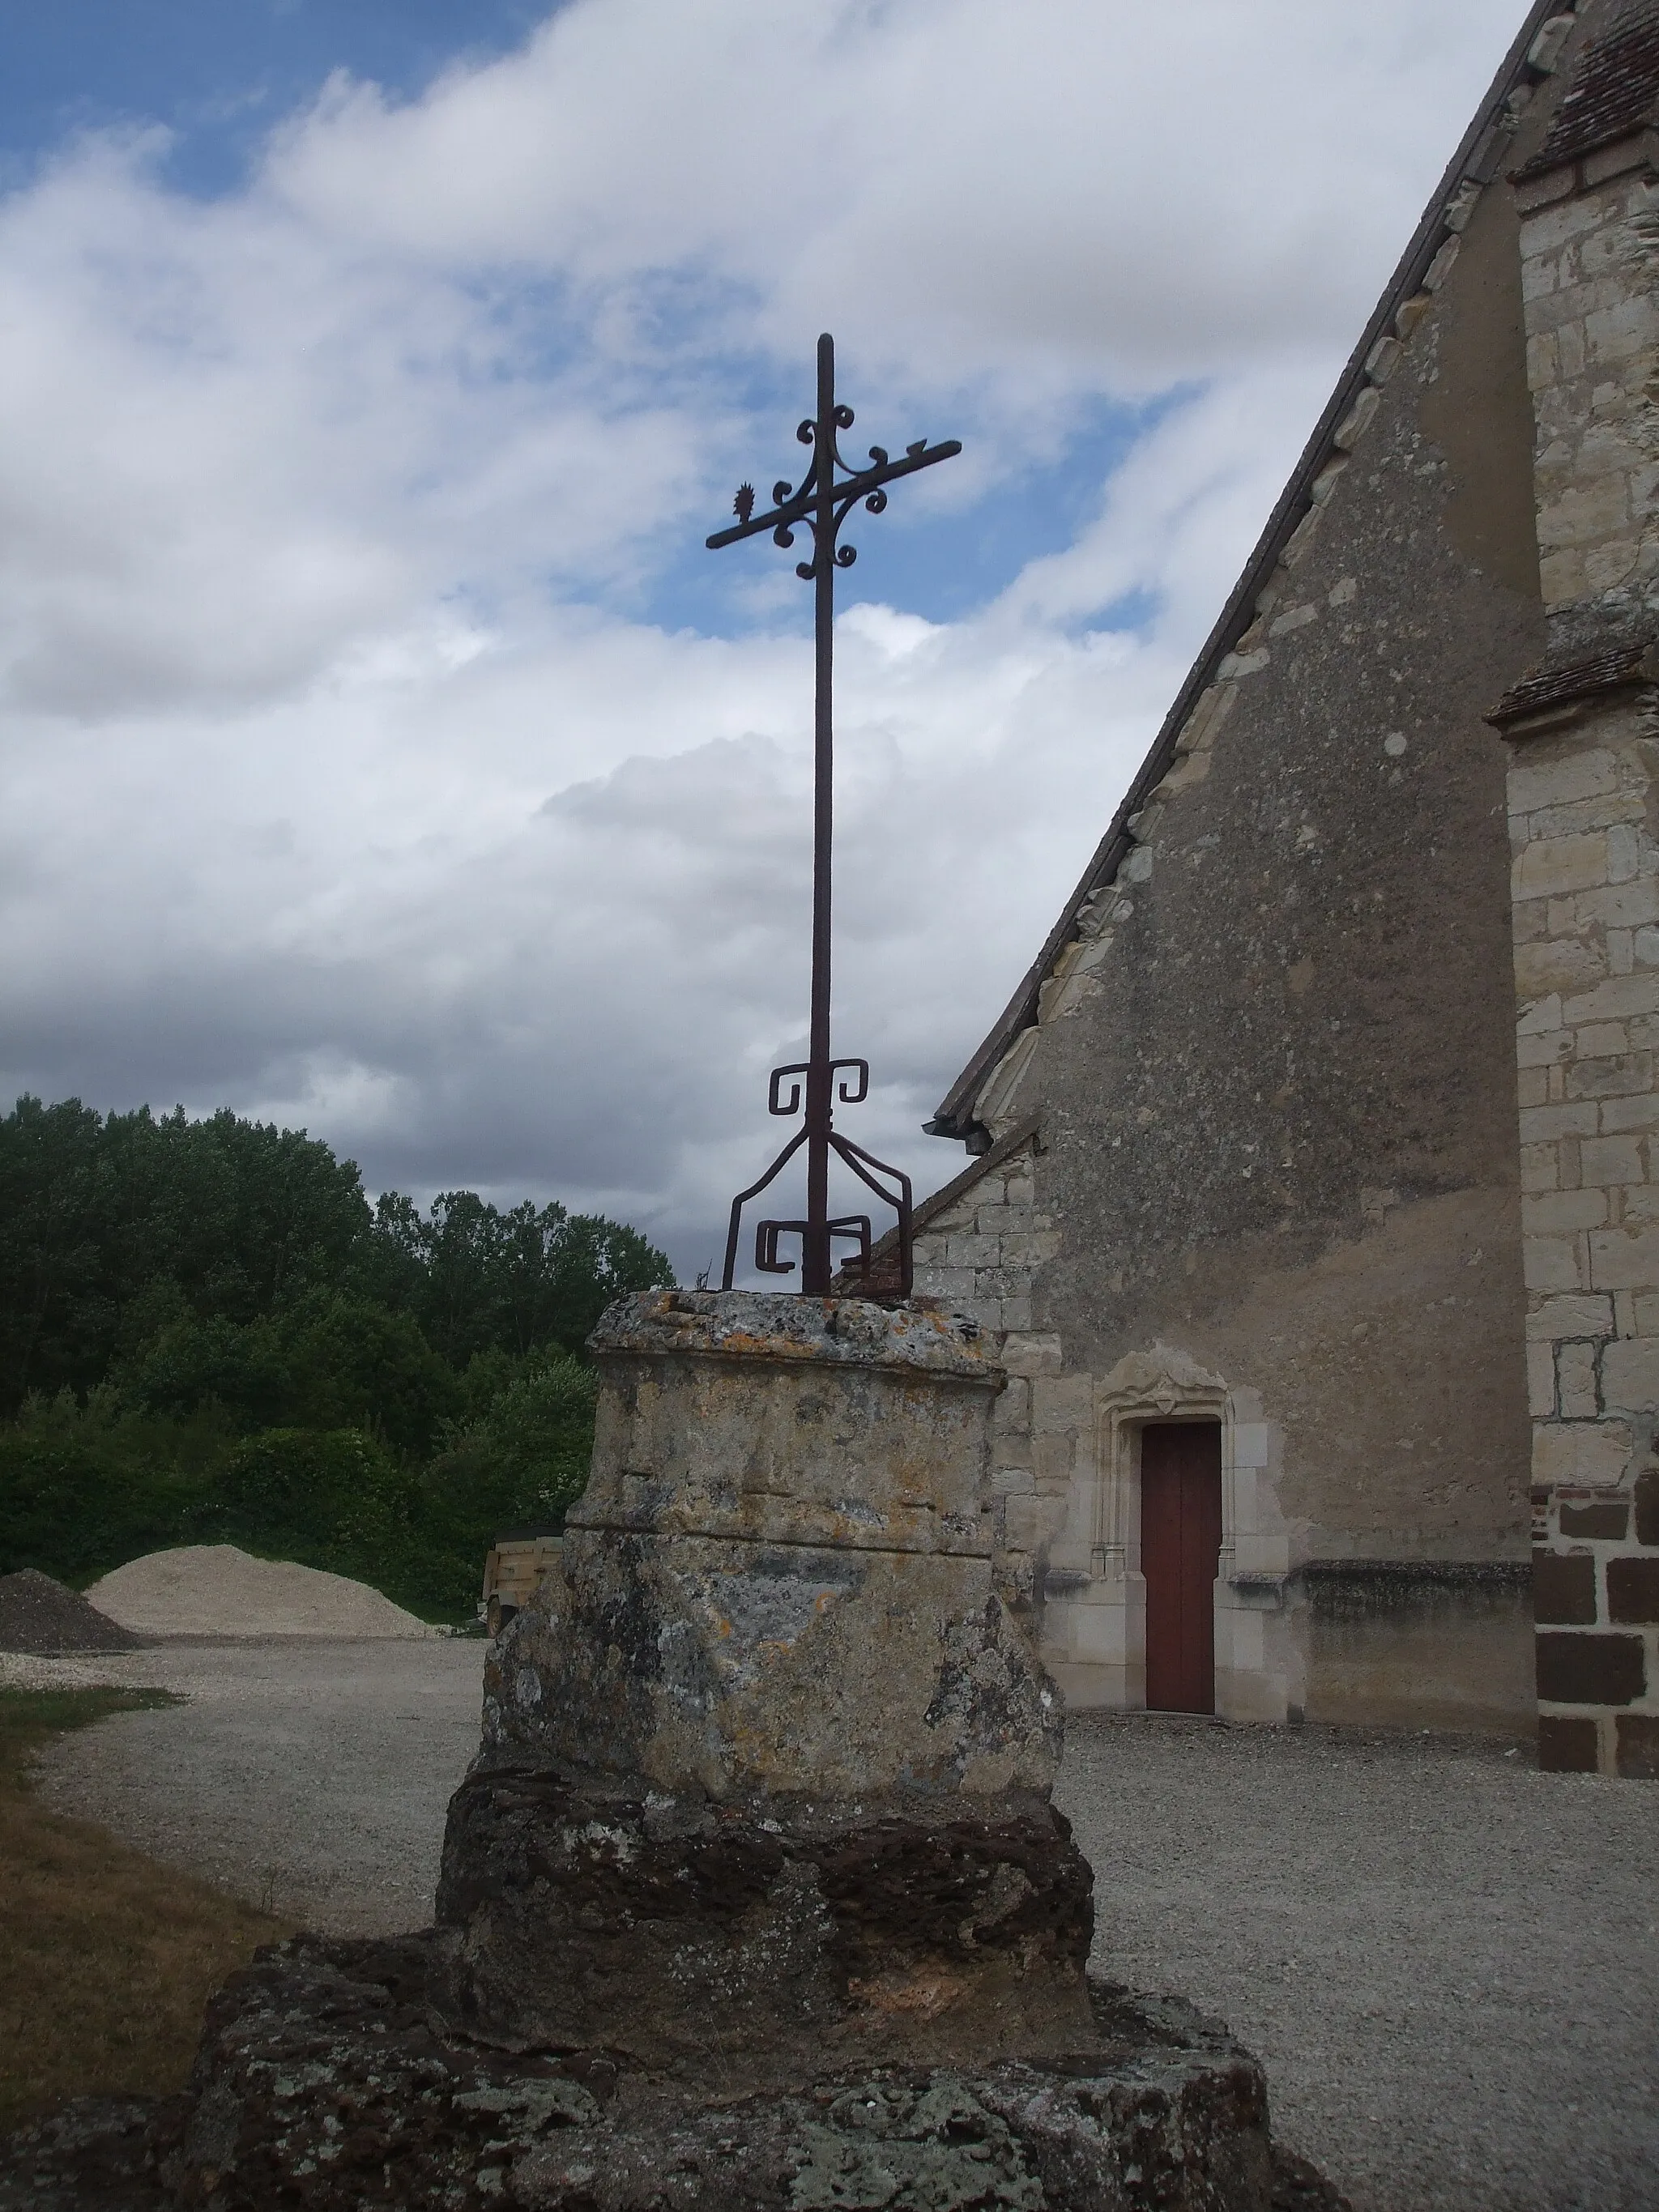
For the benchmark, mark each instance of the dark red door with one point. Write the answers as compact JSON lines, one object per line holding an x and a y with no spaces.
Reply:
{"x":1180,"y":1538}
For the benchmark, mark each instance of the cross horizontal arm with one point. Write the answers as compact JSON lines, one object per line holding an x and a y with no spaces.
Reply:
{"x":853,"y":488}
{"x":785,"y":517}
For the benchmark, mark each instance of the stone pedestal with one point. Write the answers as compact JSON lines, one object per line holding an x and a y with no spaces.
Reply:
{"x":753,"y":1900}
{"x":765,"y":1762}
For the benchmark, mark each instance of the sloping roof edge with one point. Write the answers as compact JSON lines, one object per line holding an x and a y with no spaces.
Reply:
{"x":1478,"y":160}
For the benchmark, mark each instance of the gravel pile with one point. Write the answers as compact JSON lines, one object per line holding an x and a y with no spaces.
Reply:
{"x":214,"y":1590}
{"x":39,"y":1615}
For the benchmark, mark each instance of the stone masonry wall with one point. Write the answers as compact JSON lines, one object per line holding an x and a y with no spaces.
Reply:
{"x":1277,"y":1156}
{"x":1584,"y":803}
{"x":1589,"y":261}
{"x":1587,"y":962}
{"x":980,"y":1254}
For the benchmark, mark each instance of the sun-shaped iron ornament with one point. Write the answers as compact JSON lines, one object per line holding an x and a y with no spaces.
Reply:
{"x":822,"y":503}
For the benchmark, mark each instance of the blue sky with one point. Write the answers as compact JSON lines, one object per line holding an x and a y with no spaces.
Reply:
{"x":381,"y":751}
{"x":218,"y":78}
{"x":219,"y":73}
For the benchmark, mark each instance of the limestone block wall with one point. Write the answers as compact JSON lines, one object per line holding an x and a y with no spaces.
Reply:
{"x":980,"y":1254}
{"x":1583,"y":803}
{"x":1586,"y":888}
{"x":1590,"y":264}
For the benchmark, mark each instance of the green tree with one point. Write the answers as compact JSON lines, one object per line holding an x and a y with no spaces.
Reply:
{"x":510,"y":1280}
{"x":107,"y":1218}
{"x":205,"y":1329}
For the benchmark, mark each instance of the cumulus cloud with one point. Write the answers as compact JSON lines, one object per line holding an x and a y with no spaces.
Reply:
{"x":344,"y":781}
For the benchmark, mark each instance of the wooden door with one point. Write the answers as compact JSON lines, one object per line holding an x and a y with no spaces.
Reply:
{"x":1180,"y":1538}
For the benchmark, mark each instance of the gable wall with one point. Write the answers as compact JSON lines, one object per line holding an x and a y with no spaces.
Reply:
{"x":1274,"y":1081}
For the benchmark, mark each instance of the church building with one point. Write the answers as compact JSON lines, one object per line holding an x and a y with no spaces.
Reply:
{"x":1314,"y":1175}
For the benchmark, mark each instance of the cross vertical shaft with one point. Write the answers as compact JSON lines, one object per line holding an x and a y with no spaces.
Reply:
{"x":815,"y":1264}
{"x":821,"y":504}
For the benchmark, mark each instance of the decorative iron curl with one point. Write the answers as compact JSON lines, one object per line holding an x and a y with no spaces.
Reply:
{"x":796,"y":1094}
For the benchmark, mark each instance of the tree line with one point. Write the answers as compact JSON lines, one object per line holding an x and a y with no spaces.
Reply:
{"x":209,"y":1333}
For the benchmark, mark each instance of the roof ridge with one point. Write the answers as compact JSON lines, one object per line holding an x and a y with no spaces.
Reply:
{"x":1479,"y":159}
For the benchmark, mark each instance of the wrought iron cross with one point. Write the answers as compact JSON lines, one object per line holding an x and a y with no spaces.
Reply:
{"x":822,"y":503}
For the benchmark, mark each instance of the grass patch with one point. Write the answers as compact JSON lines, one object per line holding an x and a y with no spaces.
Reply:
{"x":107,"y":1958}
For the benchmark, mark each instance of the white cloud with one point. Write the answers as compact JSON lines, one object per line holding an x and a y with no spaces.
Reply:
{"x":339,"y":781}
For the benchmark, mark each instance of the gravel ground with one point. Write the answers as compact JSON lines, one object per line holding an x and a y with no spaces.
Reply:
{"x":307,"y":1776}
{"x":1448,"y":1960}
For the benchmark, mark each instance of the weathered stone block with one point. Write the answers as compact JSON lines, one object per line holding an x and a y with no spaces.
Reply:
{"x":1590,"y":1670}
{"x":1638,"y":1202}
{"x":1630,"y":1375}
{"x":1539,"y":1123}
{"x":1539,"y":1168}
{"x":1062,"y":1404}
{"x":1623,"y":1259}
{"x":1551,"y":1263}
{"x":1622,"y":1077}
{"x":1570,"y":1317}
{"x":1540,"y":1382}
{"x":1032,"y":1248}
{"x":1535,"y":783}
{"x":1580,"y":1454}
{"x":1622,"y":330}
{"x":1634,"y":1589}
{"x":1616,"y":1000}
{"x":1550,"y":866}
{"x":971,"y":1249}
{"x":1647,"y":1506}
{"x":1032,"y":1353}
{"x":1637,"y":1740}
{"x":1558,"y":963}
{"x":1606,"y":1518}
{"x":1551,"y":1213}
{"x":1576,"y":1381}
{"x":1618,"y":1115}
{"x":1549,"y":1048}
{"x":1563,"y":1588}
{"x":1567,"y":1745}
{"x":1544,"y":1014}
{"x":1053,"y":1458}
{"x":1608,"y":1160}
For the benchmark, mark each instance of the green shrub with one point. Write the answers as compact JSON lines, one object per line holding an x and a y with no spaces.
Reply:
{"x":85,"y":1489}
{"x":524,"y":1459}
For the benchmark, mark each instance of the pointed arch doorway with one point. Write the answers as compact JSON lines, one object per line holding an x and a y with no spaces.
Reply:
{"x":1180,"y":1545}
